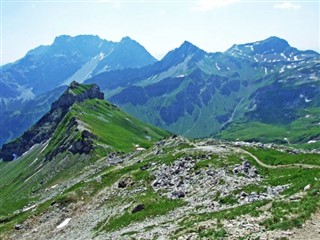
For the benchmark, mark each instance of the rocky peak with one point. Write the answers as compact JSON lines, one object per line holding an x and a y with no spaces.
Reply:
{"x":269,"y":45}
{"x":274,"y":44}
{"x":45,"y":127}
{"x":181,"y":53}
{"x":77,"y":93}
{"x":126,"y":39}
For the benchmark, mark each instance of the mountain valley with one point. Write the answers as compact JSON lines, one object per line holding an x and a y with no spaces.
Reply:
{"x":95,"y":172}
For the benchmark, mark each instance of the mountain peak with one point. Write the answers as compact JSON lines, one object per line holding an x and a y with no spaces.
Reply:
{"x":81,"y":40}
{"x":179,"y":54}
{"x":274,"y":44}
{"x":77,"y":92}
{"x":126,"y":39}
{"x":270,"y":45}
{"x":188,"y":46}
{"x":45,"y":127}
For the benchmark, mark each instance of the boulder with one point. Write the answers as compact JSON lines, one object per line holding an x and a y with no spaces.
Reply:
{"x":18,"y":227}
{"x":138,"y":208}
{"x":125,"y":182}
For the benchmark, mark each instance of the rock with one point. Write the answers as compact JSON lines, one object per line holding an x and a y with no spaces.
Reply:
{"x":18,"y":227}
{"x":144,"y":167}
{"x":243,"y":194}
{"x":158,"y":152}
{"x":125,"y":182}
{"x":306,"y":188}
{"x":178,"y":194}
{"x":138,"y":208}
{"x":155,"y":183}
{"x":236,"y":170}
{"x":246,"y":166}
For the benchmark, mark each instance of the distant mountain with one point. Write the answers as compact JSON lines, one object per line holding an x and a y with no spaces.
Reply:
{"x":199,"y":94}
{"x":76,"y":120}
{"x":260,"y":85}
{"x":46,"y":68}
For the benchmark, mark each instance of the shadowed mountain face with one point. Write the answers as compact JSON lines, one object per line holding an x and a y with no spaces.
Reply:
{"x":198,"y":94}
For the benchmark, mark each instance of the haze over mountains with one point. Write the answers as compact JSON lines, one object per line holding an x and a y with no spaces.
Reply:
{"x":190,"y":92}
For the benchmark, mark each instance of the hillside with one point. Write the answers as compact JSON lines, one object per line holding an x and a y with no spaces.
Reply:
{"x":178,"y":189}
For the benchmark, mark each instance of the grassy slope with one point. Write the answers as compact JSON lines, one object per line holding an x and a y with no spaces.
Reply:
{"x":114,"y":127}
{"x":156,"y":204}
{"x":115,"y":131}
{"x":299,"y":132}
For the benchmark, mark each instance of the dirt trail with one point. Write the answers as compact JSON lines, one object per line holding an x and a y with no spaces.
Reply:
{"x":294,"y":165}
{"x":310,"y":230}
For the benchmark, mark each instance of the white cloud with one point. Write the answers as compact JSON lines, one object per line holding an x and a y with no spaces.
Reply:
{"x":287,"y":5}
{"x":206,"y":5}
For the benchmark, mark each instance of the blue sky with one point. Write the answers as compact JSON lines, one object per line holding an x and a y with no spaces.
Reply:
{"x":160,"y":26}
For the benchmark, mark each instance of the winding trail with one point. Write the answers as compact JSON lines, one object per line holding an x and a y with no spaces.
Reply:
{"x":261,"y":163}
{"x":294,"y":165}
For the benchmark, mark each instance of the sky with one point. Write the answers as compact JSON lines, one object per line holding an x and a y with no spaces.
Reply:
{"x":160,"y":26}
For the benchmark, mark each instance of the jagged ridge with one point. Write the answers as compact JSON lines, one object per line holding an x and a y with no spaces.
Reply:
{"x":46,"y":126}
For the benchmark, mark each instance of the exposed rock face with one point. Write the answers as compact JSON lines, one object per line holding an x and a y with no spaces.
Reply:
{"x":70,"y":97}
{"x":45,"y":127}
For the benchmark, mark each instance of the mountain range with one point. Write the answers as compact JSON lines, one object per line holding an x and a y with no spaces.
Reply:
{"x":198,"y":94}
{"x":31,"y":84}
{"x":243,"y":93}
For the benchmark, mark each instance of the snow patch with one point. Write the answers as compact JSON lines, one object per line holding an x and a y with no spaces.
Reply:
{"x":180,"y":76}
{"x":64,"y":223}
{"x":312,"y":141}
{"x":218,"y":67}
{"x":284,"y":56}
{"x":101,"y":55}
{"x":307,"y":100}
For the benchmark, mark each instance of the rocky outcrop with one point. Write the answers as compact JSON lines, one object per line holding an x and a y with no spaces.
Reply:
{"x":45,"y":127}
{"x":77,"y":93}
